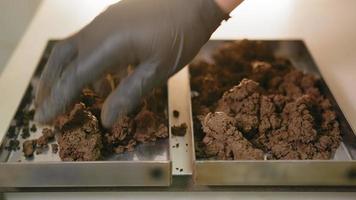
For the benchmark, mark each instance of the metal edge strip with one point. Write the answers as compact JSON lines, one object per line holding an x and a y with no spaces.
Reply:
{"x":181,"y":147}
{"x":277,"y":173}
{"x":85,"y":174}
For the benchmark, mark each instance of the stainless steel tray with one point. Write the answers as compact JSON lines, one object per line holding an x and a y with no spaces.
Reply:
{"x":148,"y":165}
{"x":341,"y":170}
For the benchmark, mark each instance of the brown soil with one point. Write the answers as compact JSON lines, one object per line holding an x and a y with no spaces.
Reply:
{"x":250,"y":103}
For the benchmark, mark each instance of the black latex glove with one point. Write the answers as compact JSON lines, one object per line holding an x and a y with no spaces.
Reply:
{"x":159,"y":37}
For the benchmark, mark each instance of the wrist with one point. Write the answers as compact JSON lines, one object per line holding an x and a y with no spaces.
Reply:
{"x":228,"y":5}
{"x":211,"y":15}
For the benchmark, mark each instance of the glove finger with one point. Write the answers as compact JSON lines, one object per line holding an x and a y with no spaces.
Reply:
{"x":62,"y":53}
{"x":129,"y":93}
{"x":61,"y":93}
{"x":81,"y":72}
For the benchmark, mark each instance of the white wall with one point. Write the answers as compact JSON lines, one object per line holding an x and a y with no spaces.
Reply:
{"x":15,"y":15}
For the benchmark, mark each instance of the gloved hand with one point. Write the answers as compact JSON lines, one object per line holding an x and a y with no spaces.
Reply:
{"x":159,"y":37}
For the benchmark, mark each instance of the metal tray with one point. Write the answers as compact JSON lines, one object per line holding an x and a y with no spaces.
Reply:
{"x":341,"y":170}
{"x":148,"y":165}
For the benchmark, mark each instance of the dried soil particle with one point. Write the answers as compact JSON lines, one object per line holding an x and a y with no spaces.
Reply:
{"x":119,"y":138}
{"x":41,"y":144}
{"x":237,"y":55}
{"x":28,"y":115}
{"x":28,"y":147}
{"x":65,"y":118}
{"x":175,"y":113}
{"x":33,"y":128}
{"x":54,"y":148}
{"x":210,"y":86}
{"x":11,"y":133}
{"x":298,"y":118}
{"x":40,"y":150}
{"x":120,"y":130}
{"x":149,"y":127}
{"x":269,"y":118}
{"x":179,"y":130}
{"x":31,"y":114}
{"x":148,"y":124}
{"x":42,"y":141}
{"x":48,"y":133}
{"x":25,"y":133}
{"x":13,"y":145}
{"x":92,"y":101}
{"x":80,"y":138}
{"x":128,"y":145}
{"x":300,"y":135}
{"x":26,"y":123}
{"x":242,"y":102}
{"x":224,"y":141}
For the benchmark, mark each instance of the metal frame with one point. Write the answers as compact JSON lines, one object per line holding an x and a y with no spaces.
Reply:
{"x":85,"y":174}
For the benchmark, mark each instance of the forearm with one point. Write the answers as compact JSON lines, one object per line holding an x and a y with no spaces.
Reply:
{"x":228,"y":5}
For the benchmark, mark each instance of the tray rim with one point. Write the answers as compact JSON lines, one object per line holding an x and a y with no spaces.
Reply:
{"x":128,"y":174}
